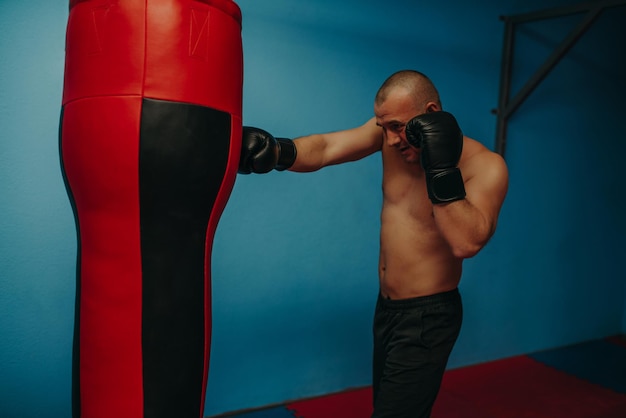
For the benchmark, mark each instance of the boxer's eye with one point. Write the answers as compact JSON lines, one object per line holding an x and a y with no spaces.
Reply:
{"x":397,"y":127}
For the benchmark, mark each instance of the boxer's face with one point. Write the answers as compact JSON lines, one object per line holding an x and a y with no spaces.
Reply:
{"x":392,"y":116}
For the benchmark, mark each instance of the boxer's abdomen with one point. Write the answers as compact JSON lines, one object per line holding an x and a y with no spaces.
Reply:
{"x":150,"y":140}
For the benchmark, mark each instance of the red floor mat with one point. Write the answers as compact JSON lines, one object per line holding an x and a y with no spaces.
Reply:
{"x":520,"y":387}
{"x":517,"y":387}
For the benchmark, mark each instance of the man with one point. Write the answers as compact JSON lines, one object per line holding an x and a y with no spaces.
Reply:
{"x":442,"y":193}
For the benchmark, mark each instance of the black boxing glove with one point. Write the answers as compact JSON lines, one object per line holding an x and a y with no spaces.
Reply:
{"x":440,"y":139}
{"x":261,"y":152}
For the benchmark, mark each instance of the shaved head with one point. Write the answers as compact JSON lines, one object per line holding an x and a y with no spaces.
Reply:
{"x":416,"y":84}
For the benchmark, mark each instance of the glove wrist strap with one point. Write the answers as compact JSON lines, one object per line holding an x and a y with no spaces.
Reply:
{"x":286,"y":155}
{"x":445,"y":186}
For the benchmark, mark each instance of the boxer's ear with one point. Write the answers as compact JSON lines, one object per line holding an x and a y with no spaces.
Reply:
{"x":432,"y":107}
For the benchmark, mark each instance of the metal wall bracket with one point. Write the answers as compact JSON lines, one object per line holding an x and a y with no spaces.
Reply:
{"x":507,"y":105}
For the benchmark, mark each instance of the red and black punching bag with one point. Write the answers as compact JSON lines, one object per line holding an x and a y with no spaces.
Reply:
{"x":150,"y":138}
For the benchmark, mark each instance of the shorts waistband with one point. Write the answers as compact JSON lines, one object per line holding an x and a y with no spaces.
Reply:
{"x":420,"y":301}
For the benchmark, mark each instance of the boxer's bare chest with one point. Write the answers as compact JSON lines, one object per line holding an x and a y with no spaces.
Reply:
{"x":404,"y":191}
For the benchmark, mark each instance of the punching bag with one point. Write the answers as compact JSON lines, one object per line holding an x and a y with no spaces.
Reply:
{"x":150,"y":136}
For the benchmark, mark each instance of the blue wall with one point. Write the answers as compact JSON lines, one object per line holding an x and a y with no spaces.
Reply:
{"x":295,"y":255}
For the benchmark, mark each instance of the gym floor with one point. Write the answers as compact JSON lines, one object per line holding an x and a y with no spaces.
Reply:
{"x":586,"y":380}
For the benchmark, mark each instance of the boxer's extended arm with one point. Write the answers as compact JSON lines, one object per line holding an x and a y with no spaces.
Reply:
{"x":321,"y":150}
{"x":261,"y":152}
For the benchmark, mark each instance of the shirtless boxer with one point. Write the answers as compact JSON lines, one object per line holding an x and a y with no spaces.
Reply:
{"x":442,"y":193}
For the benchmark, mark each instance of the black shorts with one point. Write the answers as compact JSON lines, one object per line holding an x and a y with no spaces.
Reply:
{"x":413,"y":339}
